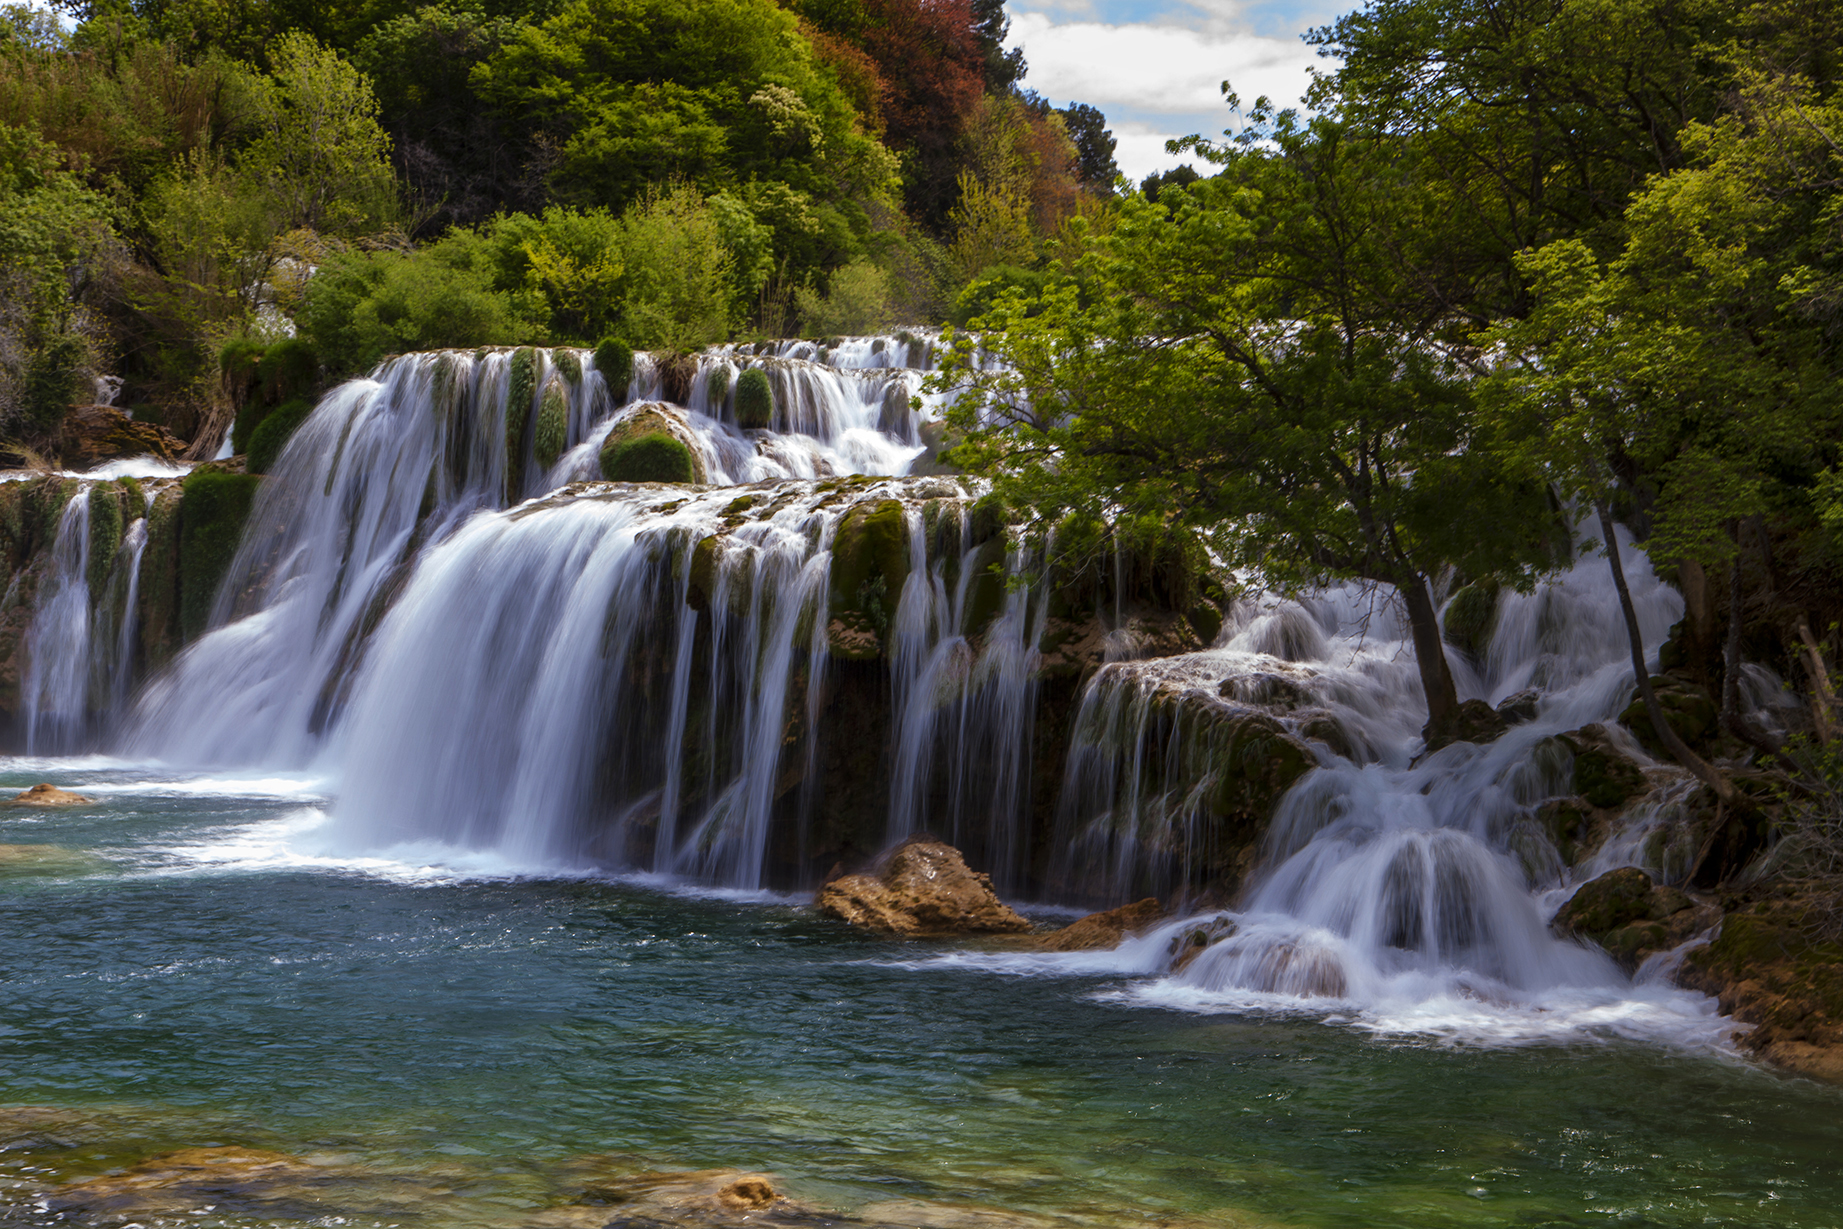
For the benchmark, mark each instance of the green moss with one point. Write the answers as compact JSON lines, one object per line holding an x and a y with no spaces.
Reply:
{"x":158,"y":595}
{"x":1688,"y":709}
{"x":872,"y":541}
{"x":703,"y":579}
{"x":105,"y":533}
{"x":568,"y":364}
{"x":289,"y":369}
{"x":1205,"y":620}
{"x":13,"y":534}
{"x":211,"y":518}
{"x":653,"y":457}
{"x":1471,"y":617}
{"x":987,"y":594}
{"x":754,"y":400}
{"x":719,"y":387}
{"x":739,"y":505}
{"x":615,"y":361}
{"x":521,"y":387}
{"x":136,"y":497}
{"x":1256,"y":763}
{"x":274,"y":433}
{"x":553,"y":425}
{"x":990,"y":516}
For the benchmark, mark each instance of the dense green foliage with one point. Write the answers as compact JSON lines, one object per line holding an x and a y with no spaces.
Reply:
{"x":754,"y":400}
{"x":274,"y":432}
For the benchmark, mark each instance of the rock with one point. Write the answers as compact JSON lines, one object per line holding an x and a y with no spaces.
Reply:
{"x":754,"y":400}
{"x":45,"y":795}
{"x":1471,"y":617}
{"x":46,"y":860}
{"x":1603,"y":774}
{"x":1193,"y":941}
{"x":746,"y":1193}
{"x":618,"y":465}
{"x":1569,"y":823}
{"x":1520,"y":708}
{"x":925,"y":888}
{"x":1265,"y":691}
{"x":1688,"y":708}
{"x":1258,"y":761}
{"x":1770,"y":967}
{"x":1474,"y":721}
{"x":179,"y":1181}
{"x":1098,"y":931}
{"x":92,"y":434}
{"x":1631,"y":917}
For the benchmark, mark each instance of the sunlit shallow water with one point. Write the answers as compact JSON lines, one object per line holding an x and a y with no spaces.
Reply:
{"x":483,"y":1038}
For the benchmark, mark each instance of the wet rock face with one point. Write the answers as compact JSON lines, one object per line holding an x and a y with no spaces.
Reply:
{"x":1603,"y":774}
{"x":93,"y":434}
{"x":1631,"y":916}
{"x":1474,"y":721}
{"x":1100,"y":931}
{"x":1688,"y":707}
{"x":179,"y":1181}
{"x":925,"y":888}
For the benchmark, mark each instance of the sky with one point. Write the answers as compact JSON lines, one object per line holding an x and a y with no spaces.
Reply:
{"x":1156,"y":67}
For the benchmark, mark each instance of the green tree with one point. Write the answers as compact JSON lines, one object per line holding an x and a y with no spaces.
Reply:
{"x":1254,"y":357}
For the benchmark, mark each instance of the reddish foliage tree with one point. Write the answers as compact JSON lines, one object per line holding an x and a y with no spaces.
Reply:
{"x":933,"y":67}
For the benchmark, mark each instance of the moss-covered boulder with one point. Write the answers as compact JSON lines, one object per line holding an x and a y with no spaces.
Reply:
{"x":987,"y":590}
{"x":717,"y":387}
{"x":1688,"y":707}
{"x":1473,"y":721}
{"x":551,"y":434}
{"x":1471,"y":617}
{"x":521,"y":387}
{"x":1603,"y":774}
{"x":568,"y":365}
{"x":1777,"y":965}
{"x":655,"y":456}
{"x":1631,"y":916}
{"x":619,"y":463}
{"x":754,"y":400}
{"x":614,"y":361}
{"x":870,"y":563}
{"x":158,"y":594}
{"x":106,"y":524}
{"x":273,"y":434}
{"x":211,"y":518}
{"x":1257,"y":761}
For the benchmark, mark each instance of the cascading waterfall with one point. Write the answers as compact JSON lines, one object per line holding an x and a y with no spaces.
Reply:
{"x":57,"y":682}
{"x":1387,"y":878}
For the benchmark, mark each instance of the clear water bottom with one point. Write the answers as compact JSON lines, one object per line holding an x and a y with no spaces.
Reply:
{"x":188,"y":972}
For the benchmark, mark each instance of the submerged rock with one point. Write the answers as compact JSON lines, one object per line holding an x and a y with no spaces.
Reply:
{"x":46,"y":860}
{"x":925,"y":888}
{"x":179,"y":1181}
{"x":1102,"y":930}
{"x":46,"y":795}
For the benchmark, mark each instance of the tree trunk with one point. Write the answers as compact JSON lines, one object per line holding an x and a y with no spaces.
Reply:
{"x":1701,"y":768}
{"x":1430,"y":652}
{"x":1823,"y":699}
{"x":1732,"y":719}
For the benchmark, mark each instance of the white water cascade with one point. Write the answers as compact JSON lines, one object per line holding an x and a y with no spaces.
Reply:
{"x":57,"y":683}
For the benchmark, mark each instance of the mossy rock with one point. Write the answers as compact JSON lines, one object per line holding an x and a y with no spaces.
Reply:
{"x":1569,"y":825}
{"x":872,"y":545}
{"x":648,"y":421}
{"x":615,"y":361}
{"x":754,"y":400}
{"x":521,"y":387}
{"x":157,"y":598}
{"x":717,"y":387}
{"x":1205,"y":620}
{"x":1603,"y":775}
{"x":105,"y":534}
{"x":656,"y":456}
{"x":989,"y":518}
{"x":702,"y":582}
{"x":551,"y":435}
{"x":567,"y":364}
{"x":1688,"y":709}
{"x":273,"y":435}
{"x":211,"y":520}
{"x":1471,"y":618}
{"x":897,"y":409}
{"x":1607,"y":903}
{"x":987,"y":591}
{"x":1258,"y":761}
{"x":676,"y":372}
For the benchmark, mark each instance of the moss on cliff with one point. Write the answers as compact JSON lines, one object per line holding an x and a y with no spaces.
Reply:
{"x":211,"y":519}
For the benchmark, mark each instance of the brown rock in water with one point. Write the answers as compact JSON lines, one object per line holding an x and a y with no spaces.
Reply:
{"x":925,"y":888}
{"x":178,"y":1181}
{"x":1631,"y":917}
{"x":1102,"y":930}
{"x":45,"y":795}
{"x":746,"y":1193}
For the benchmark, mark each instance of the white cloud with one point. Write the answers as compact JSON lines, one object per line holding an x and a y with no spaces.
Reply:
{"x":1156,"y":81}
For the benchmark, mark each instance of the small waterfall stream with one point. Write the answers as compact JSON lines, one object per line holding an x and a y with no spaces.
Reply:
{"x":57,"y":682}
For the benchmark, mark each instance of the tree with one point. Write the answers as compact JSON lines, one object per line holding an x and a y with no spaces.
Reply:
{"x":1094,"y":146}
{"x":1254,"y":357}
{"x":319,"y":149}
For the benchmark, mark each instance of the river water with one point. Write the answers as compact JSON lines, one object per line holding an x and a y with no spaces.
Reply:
{"x":459,"y":1044}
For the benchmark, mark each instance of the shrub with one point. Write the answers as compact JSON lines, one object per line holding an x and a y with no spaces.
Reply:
{"x":754,"y":400}
{"x":653,"y":457}
{"x":615,"y":360}
{"x":856,"y":301}
{"x":363,"y":305}
{"x":288,"y":369}
{"x":274,"y":432}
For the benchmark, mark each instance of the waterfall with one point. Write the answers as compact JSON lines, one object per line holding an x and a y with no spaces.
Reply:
{"x":57,"y":682}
